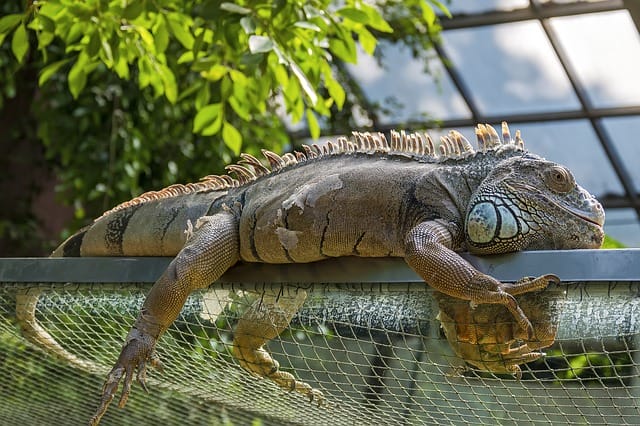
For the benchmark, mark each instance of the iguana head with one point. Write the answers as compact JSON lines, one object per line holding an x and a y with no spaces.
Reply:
{"x":527,"y":202}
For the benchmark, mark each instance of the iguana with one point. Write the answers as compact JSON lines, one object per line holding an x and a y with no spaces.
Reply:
{"x":407,"y":197}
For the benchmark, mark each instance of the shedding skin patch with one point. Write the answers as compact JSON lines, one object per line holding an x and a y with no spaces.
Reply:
{"x":308,"y":194}
{"x":288,"y":238}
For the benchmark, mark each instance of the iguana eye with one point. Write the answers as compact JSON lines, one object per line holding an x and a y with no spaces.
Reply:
{"x":559,"y":179}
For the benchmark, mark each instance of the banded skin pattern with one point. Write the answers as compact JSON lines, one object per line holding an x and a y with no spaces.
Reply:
{"x":363,"y":196}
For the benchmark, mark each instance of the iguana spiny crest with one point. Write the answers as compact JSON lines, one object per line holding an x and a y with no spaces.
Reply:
{"x":419,"y":146}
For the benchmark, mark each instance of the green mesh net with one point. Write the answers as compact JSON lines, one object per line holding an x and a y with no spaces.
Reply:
{"x":376,"y":351}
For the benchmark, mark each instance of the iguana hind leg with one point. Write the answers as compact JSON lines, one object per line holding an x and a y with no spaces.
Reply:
{"x":264,"y":320}
{"x":211,"y":249}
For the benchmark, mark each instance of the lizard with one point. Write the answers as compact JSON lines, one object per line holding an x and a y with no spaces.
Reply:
{"x":365,"y":196}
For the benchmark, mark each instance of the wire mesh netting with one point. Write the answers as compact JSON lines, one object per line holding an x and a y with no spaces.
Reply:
{"x":380,"y":353}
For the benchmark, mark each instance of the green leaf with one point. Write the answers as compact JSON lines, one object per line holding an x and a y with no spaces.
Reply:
{"x":442,"y":7}
{"x":145,"y":35}
{"x":234,"y":8}
{"x":428,"y":14}
{"x":108,"y":53}
{"x":260,"y":44}
{"x":44,"y":39}
{"x":240,"y":107}
{"x":376,"y":21}
{"x":133,"y":9}
{"x":215,"y":73}
{"x":213,"y":128}
{"x":354,"y":14}
{"x":304,"y":83}
{"x":248,"y":25}
{"x":202,"y":96}
{"x":181,"y":32}
{"x":169,"y":83}
{"x":93,"y":46}
{"x":121,"y":67}
{"x":335,"y":91}
{"x":314,"y":127}
{"x":307,"y":26}
{"x":20,"y":43}
{"x":9,"y":22}
{"x":205,"y":117}
{"x":50,"y":70}
{"x":161,"y":36}
{"x":232,"y":137}
{"x":344,"y":49}
{"x":367,"y":41}
{"x":77,"y":76}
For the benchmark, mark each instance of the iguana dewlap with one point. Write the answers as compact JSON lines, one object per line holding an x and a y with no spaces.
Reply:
{"x":364,"y":197}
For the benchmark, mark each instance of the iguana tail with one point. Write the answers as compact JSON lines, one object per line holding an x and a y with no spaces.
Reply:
{"x":26,"y":304}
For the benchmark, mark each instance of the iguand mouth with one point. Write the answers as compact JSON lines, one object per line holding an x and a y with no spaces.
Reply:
{"x":595,"y":219}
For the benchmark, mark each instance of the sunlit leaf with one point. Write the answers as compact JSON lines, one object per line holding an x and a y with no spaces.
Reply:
{"x":77,"y":77}
{"x":205,"y":117}
{"x":215,"y":73}
{"x":9,"y":22}
{"x":181,"y":32}
{"x":234,"y":8}
{"x":232,"y":137}
{"x":304,"y":83}
{"x":354,"y":14}
{"x":20,"y":43}
{"x":312,"y":122}
{"x":50,"y":70}
{"x":260,"y":44}
{"x":133,"y":10}
{"x":336,"y":91}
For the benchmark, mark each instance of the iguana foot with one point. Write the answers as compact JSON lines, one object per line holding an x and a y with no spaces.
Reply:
{"x":261,"y":364}
{"x":486,"y":289}
{"x":488,"y":336}
{"x":529,"y":284}
{"x":265,"y":319}
{"x":137,"y":352}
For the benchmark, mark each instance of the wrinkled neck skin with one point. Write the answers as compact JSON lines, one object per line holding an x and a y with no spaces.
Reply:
{"x":445,"y":192}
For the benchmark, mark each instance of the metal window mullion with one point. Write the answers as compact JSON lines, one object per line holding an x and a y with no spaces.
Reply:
{"x":458,"y":82}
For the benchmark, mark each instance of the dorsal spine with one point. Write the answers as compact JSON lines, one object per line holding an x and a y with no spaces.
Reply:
{"x":418,"y":145}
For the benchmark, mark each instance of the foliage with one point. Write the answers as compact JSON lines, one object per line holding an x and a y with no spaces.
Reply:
{"x":138,"y":94}
{"x":611,"y":243}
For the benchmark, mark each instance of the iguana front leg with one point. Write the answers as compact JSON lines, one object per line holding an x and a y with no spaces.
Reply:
{"x":428,"y":250}
{"x":264,"y":320}
{"x":212,"y":248}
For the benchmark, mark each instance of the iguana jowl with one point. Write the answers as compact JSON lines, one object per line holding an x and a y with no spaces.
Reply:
{"x":363,"y":197}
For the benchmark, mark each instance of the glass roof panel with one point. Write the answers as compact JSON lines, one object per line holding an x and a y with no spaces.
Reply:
{"x":510,"y":68}
{"x":624,"y":132}
{"x":572,"y":143}
{"x":475,"y":6}
{"x":569,"y":1}
{"x":604,"y":49}
{"x":403,"y":87}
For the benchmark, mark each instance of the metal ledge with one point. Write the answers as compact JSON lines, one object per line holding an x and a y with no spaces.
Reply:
{"x":569,"y":265}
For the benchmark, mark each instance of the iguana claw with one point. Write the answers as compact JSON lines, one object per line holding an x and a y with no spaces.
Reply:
{"x":137,"y":352}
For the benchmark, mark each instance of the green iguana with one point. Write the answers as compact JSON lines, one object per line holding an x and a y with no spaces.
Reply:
{"x":361,"y":197}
